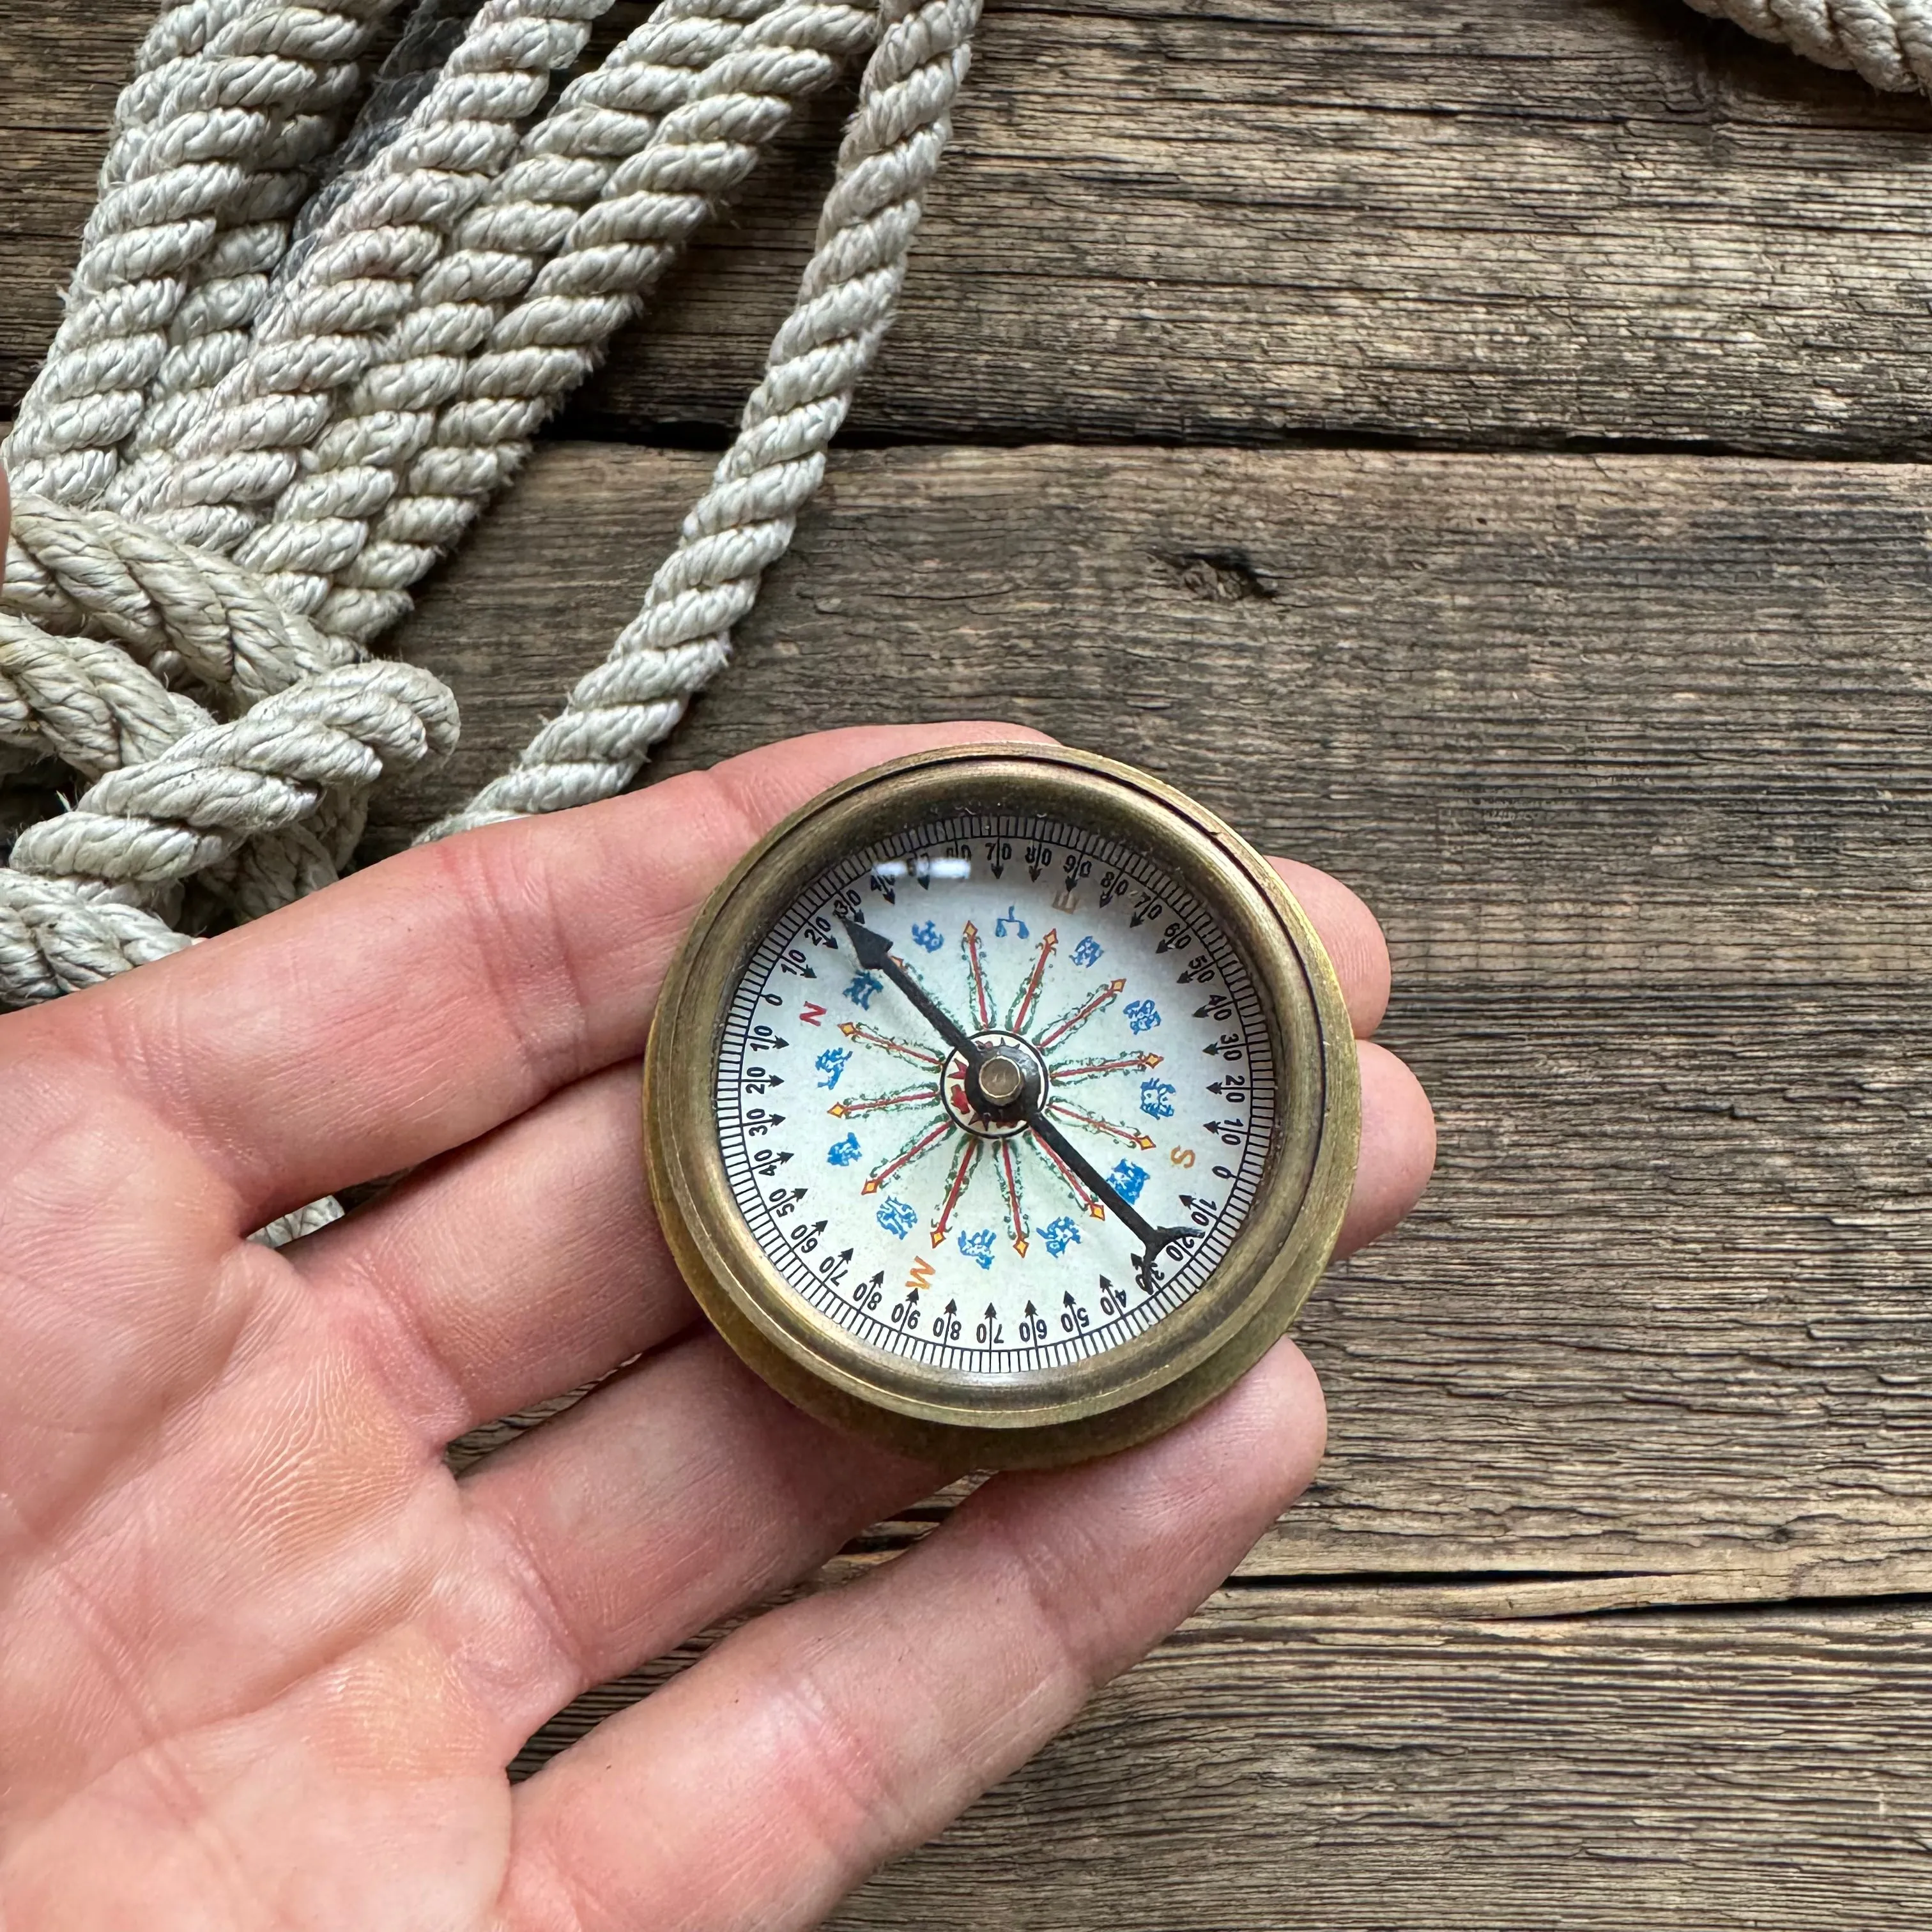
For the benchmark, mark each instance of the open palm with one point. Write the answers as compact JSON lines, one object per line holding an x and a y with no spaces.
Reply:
{"x":263,"y":1660}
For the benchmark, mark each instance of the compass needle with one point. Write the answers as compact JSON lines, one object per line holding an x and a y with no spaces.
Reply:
{"x":1097,"y":1118}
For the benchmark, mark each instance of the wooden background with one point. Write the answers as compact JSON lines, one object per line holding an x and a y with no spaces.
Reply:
{"x":1475,"y":447}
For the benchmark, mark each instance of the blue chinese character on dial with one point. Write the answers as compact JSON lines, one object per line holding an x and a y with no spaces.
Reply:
{"x":843,"y":1153}
{"x":1141,"y":1014}
{"x":832,"y":1063}
{"x":863,"y":986}
{"x":927,"y":934}
{"x":1087,"y":952}
{"x":1059,"y":1235}
{"x":1128,"y":1180}
{"x":1157,"y":1099}
{"x":978,"y":1246}
{"x":897,"y":1217}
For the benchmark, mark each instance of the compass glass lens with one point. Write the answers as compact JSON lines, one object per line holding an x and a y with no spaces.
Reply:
{"x":995,"y":1094}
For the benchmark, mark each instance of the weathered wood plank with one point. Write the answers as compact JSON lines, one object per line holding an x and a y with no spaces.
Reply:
{"x":1274,"y":1764}
{"x":1629,"y":756}
{"x":1403,"y":219}
{"x":1265,"y":1770}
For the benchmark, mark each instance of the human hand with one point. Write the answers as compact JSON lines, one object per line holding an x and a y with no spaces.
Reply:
{"x":263,"y":1660}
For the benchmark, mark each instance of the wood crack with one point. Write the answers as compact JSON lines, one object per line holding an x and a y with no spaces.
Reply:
{"x":1902,"y":1584}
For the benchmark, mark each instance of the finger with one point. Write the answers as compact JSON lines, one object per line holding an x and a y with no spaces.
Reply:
{"x":419,"y":1003}
{"x":528,"y":1262}
{"x":669,"y":1497}
{"x":1398,"y":1149}
{"x":524,"y":1265}
{"x":756,"y":1788}
{"x":1351,"y":936}
{"x":664,"y":1501}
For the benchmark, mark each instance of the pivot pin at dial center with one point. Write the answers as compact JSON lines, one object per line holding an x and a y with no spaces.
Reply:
{"x":1001,"y":1079}
{"x":990,"y":1095}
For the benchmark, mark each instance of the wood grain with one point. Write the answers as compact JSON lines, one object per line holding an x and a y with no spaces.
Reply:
{"x":1409,"y":220}
{"x":1267,"y":1770}
{"x":1288,"y":1760}
{"x":1627,"y":754}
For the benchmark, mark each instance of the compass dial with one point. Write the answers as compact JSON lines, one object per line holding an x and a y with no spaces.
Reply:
{"x":995,"y":1094}
{"x":1001,"y":1104}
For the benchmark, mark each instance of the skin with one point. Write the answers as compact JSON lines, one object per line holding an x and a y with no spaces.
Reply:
{"x":263,"y":1660}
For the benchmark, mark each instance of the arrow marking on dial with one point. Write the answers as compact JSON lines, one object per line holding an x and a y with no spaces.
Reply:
{"x":867,"y":1036}
{"x":906,"y":1155}
{"x":840,"y":1109}
{"x":1080,"y":1015}
{"x":1029,"y":992}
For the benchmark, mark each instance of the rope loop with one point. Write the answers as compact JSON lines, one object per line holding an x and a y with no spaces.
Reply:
{"x":318,"y":317}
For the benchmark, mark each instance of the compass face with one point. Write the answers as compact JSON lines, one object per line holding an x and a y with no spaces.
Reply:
{"x":995,"y":1094}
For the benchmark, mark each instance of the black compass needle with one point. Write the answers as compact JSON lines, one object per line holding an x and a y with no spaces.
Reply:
{"x":875,"y":955}
{"x":1151,"y":1238}
{"x":874,"y":952}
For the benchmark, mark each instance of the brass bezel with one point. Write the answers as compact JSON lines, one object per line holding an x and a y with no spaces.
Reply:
{"x":1124,"y":1394}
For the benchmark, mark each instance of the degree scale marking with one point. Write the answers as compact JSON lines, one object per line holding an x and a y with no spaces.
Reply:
{"x":784,"y":1065}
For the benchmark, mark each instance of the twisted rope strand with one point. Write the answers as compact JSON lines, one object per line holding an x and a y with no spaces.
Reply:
{"x":156,"y":823}
{"x":744,"y":522}
{"x":322,"y":522}
{"x":181,"y":610}
{"x":616,"y":252}
{"x":57,"y":936}
{"x":84,"y":700}
{"x":211,"y":332}
{"x":321,"y":330}
{"x":230,"y":104}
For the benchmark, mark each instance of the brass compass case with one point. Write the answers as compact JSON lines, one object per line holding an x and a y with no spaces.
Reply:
{"x":1124,"y":1393}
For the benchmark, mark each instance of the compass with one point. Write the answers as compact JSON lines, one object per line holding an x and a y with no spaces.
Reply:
{"x":1002,"y":1104}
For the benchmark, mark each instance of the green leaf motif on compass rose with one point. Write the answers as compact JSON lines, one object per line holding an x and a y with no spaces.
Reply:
{"x":1034,"y":1093}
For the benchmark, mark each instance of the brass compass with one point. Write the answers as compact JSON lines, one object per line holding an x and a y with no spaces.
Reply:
{"x":1002,"y":1104}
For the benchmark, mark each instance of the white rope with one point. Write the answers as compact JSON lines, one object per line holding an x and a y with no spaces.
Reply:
{"x":187,"y":614}
{"x":1889,"y":42}
{"x":56,"y":937}
{"x":743,"y":523}
{"x":84,"y":701}
{"x":243,"y":444}
{"x":231,"y":102}
{"x":155,"y":823}
{"x":554,"y":265}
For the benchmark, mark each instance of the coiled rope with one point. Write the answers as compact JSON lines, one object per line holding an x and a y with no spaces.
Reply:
{"x":271,"y":405}
{"x":307,"y":341}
